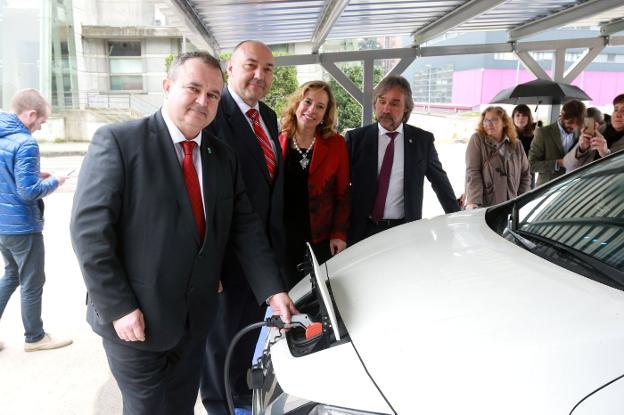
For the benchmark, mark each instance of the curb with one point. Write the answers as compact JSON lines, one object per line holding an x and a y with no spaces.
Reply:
{"x":68,"y":153}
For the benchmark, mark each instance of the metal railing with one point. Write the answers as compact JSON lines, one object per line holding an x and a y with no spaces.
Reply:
{"x":137,"y":105}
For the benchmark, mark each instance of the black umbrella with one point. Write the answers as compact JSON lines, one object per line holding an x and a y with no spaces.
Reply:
{"x":540,"y":91}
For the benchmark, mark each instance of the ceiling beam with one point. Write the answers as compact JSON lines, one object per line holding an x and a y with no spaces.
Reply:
{"x":612,"y":27}
{"x":590,"y":42}
{"x":453,"y":19}
{"x":532,"y":65}
{"x":195,"y":23}
{"x":332,"y":10}
{"x":576,"y":69}
{"x":343,"y":80}
{"x":431,"y":51}
{"x":558,"y":65}
{"x":367,"y":93}
{"x":563,"y":17}
{"x":401,"y":66}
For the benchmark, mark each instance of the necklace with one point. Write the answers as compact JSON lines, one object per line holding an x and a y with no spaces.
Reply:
{"x":304,"y":154}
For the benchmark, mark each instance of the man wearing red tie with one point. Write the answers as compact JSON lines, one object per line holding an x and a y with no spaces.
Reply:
{"x":250,"y":128}
{"x":157,"y":202}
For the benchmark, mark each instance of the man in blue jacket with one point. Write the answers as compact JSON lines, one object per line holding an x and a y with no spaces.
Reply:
{"x":22,"y":186}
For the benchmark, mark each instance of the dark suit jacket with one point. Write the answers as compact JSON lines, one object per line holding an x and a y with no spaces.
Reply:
{"x":231,"y":126}
{"x":421,"y":159}
{"x":546,"y":149}
{"x":133,"y":232}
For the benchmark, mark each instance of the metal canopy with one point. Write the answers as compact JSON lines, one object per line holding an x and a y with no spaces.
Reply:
{"x":224,"y":23}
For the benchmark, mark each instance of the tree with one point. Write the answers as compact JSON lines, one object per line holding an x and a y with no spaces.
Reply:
{"x":349,"y":110}
{"x":284,"y":84}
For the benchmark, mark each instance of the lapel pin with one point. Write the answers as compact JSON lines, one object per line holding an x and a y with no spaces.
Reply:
{"x":209,"y":149}
{"x":410,"y":141}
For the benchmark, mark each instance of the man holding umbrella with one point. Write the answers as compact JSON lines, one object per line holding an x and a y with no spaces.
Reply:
{"x":551,"y":143}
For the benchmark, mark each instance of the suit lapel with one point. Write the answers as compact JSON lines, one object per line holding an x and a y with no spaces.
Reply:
{"x":409,"y":161}
{"x":241,"y":128}
{"x":173,"y":172}
{"x":209,"y":178}
{"x":556,"y":134}
{"x":371,"y":154}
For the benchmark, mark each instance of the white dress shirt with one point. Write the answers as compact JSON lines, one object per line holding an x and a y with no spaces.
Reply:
{"x":177,"y":137}
{"x":244,"y":108}
{"x":395,"y":207}
{"x":567,"y":139}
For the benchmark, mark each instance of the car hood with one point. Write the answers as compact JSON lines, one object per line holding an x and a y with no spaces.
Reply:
{"x":448,"y":317}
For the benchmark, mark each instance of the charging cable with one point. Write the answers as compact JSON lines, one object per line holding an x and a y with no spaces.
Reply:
{"x":297,"y":320}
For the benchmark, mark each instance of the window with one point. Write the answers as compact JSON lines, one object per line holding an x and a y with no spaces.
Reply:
{"x":125,"y":66}
{"x":576,"y":222}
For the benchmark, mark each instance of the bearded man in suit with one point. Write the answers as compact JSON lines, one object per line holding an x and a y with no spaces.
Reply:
{"x":552,"y":142}
{"x":157,"y":202}
{"x":393,"y":158}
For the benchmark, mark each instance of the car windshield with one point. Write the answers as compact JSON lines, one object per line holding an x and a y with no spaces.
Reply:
{"x":577,"y":222}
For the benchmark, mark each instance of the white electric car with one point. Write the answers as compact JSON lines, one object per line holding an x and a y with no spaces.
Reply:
{"x":515,"y":309}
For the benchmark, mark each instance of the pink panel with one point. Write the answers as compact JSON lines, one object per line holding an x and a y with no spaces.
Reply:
{"x":467,"y":87}
{"x":479,"y":86}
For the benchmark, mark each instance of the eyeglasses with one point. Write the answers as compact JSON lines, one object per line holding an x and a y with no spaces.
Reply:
{"x":493,"y":121}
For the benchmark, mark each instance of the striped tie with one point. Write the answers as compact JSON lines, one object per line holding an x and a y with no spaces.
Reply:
{"x":265,"y":144}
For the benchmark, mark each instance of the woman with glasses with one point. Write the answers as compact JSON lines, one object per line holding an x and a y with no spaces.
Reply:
{"x":497,"y":168}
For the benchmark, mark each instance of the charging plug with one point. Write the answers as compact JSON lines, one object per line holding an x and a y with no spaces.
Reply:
{"x":313,"y":330}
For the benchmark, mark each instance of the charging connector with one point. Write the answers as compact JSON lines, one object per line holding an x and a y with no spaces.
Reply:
{"x":311,"y":328}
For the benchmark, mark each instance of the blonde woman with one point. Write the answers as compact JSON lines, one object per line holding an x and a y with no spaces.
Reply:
{"x":316,"y":185}
{"x":497,"y":168}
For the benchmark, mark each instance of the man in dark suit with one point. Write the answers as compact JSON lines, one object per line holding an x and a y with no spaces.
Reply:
{"x":389,"y":162}
{"x":156,"y":203}
{"x":552,"y":142}
{"x":250,"y":75}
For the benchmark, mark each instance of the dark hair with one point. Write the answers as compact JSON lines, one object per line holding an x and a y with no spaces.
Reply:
{"x":181,"y":59}
{"x":596,"y":114}
{"x":289,"y":117}
{"x":526,"y":111}
{"x":508,"y":126}
{"x":619,"y":99}
{"x":29,"y":99}
{"x":393,"y":81}
{"x":573,"y":110}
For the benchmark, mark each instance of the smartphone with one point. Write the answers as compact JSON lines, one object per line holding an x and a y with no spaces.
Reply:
{"x":590,"y":126}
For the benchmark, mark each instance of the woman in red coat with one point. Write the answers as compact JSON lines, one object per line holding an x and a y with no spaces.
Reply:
{"x":316,"y":205}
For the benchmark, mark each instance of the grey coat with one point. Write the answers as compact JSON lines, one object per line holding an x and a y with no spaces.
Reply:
{"x":575,"y":159}
{"x":492,"y":177}
{"x":546,"y":149}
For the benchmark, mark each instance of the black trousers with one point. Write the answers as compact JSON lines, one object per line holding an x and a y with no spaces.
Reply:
{"x":241,"y":308}
{"x":157,"y":383}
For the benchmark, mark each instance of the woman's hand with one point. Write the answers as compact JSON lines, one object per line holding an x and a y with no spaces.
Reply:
{"x":599,"y":144}
{"x":336,"y":246}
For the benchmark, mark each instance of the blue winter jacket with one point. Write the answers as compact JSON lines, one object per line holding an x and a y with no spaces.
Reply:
{"x":21,"y":188}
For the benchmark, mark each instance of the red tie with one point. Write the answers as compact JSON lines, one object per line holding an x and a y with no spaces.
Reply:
{"x":192,"y":187}
{"x":383,"y":181}
{"x":265,"y":144}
